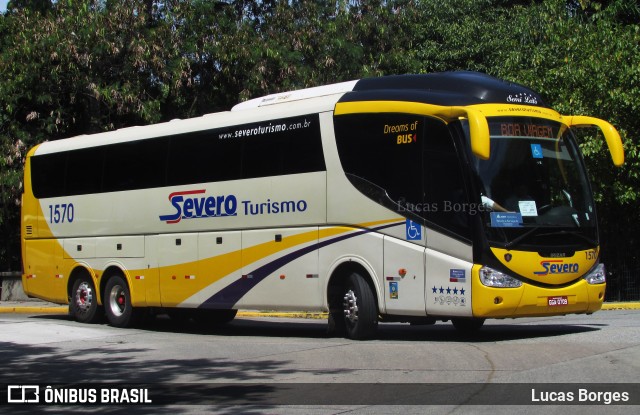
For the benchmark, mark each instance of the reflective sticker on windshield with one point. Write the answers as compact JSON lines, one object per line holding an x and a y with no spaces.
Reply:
{"x":528,"y":208}
{"x":536,"y":151}
{"x":506,"y":219}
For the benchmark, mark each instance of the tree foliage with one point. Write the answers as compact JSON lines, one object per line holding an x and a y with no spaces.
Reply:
{"x":586,"y":60}
{"x":75,"y":67}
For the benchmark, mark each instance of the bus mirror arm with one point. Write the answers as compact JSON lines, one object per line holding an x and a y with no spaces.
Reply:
{"x":478,"y":128}
{"x":479,"y":132}
{"x":611,"y":135}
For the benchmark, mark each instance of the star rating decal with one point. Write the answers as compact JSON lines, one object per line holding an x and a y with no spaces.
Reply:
{"x":451,"y":295}
{"x":448,"y":290}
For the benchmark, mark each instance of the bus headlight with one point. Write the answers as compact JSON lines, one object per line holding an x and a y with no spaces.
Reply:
{"x":597,"y":275}
{"x":493,"y":278}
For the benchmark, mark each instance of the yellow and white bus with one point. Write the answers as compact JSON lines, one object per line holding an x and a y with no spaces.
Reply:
{"x":415,"y":198}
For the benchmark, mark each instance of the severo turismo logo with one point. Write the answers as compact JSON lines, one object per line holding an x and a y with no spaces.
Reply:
{"x":194,"y":204}
{"x":199,"y":207}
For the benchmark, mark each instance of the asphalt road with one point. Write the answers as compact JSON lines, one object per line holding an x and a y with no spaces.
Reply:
{"x":316,"y":374}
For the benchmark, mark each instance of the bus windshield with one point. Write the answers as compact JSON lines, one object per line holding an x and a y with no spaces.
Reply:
{"x":534,"y":183}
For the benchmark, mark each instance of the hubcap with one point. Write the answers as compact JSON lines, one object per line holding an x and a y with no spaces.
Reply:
{"x":117,"y":300}
{"x":84,"y":297}
{"x":350,"y":306}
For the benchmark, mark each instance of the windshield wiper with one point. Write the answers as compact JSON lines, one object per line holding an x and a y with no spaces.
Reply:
{"x":590,"y":241}
{"x":531,"y":231}
{"x":522,"y":237}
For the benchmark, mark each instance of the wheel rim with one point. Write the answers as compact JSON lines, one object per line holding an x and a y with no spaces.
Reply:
{"x":117,"y":300}
{"x":84,"y":297}
{"x":350,"y":306}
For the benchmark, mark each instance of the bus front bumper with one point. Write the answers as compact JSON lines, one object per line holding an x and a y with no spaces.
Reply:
{"x":531,"y":301}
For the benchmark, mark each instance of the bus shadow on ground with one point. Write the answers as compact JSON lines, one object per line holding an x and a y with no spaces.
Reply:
{"x":317,"y":328}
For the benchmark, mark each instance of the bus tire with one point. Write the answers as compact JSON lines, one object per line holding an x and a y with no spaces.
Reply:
{"x":360,"y":309}
{"x":467,"y":325}
{"x":336,"y":325}
{"x":117,"y":303}
{"x":84,"y":301}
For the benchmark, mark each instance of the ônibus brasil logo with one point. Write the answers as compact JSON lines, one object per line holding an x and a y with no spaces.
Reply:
{"x":557,"y":266}
{"x":188,"y":206}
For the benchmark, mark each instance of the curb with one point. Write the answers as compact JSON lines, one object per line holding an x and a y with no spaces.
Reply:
{"x":300,"y":314}
{"x":34,"y":310}
{"x":65,"y":310}
{"x":621,"y":306}
{"x":303,"y":315}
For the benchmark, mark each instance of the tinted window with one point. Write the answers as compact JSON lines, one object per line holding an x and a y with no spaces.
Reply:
{"x":407,"y":163}
{"x":283,"y":147}
{"x":84,"y":171}
{"x":202,"y":157}
{"x":444,"y":186}
{"x":134,"y":165}
{"x":48,"y":175}
{"x":382,"y":153}
{"x":270,"y":148}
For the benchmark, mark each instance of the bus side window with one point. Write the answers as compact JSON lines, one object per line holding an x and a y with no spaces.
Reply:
{"x":444,"y":186}
{"x":380,"y":153}
{"x":84,"y":171}
{"x":201,"y":157}
{"x":134,"y":165}
{"x":282,"y":152}
{"x":48,"y":175}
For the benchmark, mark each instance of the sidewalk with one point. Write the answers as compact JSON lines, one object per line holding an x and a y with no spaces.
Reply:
{"x":43,"y":307}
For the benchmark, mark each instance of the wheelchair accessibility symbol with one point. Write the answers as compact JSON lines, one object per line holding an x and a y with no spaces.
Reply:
{"x":414,"y":231}
{"x":536,"y":151}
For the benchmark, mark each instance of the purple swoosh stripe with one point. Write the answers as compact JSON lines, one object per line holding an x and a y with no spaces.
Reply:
{"x":230,"y":295}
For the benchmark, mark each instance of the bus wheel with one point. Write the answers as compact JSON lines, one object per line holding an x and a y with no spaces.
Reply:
{"x":117,"y":303}
{"x":467,"y":325}
{"x":360,"y":310}
{"x":84,"y":302}
{"x":215,"y":317}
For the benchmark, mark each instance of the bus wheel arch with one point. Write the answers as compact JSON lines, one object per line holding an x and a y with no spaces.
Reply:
{"x":116,"y":299}
{"x":83,"y":296}
{"x":353,"y":301}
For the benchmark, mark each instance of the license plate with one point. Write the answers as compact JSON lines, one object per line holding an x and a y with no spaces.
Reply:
{"x":558,"y":301}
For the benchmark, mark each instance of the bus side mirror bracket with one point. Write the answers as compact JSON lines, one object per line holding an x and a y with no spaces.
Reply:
{"x":478,"y":131}
{"x":611,"y":135}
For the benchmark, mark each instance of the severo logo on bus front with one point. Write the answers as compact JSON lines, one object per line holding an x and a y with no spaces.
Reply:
{"x":557,"y":266}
